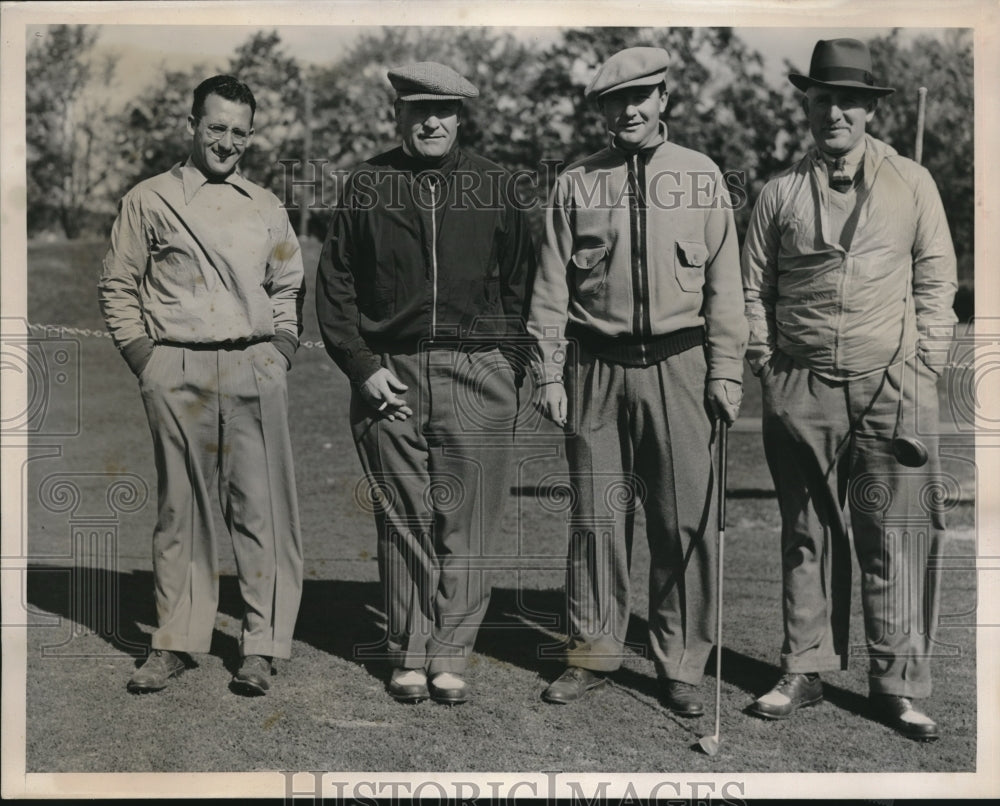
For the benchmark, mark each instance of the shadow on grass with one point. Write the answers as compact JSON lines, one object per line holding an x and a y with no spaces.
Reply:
{"x":523,"y":627}
{"x":112,"y":605}
{"x":535,"y":649}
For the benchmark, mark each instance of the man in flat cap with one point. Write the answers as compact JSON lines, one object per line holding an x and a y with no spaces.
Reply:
{"x":421,"y":280}
{"x":202,"y":293}
{"x":849,"y":276}
{"x":639,"y":276}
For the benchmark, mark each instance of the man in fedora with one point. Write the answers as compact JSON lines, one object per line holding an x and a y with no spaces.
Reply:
{"x":849,"y":276}
{"x":639,"y":277}
{"x":421,"y":280}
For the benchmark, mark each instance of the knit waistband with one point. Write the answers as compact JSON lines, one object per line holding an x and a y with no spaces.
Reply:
{"x":635,"y":351}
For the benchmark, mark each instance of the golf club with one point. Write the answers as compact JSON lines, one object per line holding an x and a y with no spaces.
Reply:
{"x":710,"y":744}
{"x":918,"y":149}
{"x":908,"y":450}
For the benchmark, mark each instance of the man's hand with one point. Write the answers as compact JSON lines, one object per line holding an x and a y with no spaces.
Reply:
{"x":724,"y":398}
{"x":381,"y":392}
{"x":762,"y":365}
{"x":551,"y":399}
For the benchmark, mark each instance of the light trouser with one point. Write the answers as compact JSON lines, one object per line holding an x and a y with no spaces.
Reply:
{"x":439,"y":479}
{"x":223,"y":413}
{"x":819,"y":462}
{"x":643,"y":437}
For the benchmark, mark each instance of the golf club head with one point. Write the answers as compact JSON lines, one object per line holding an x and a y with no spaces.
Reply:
{"x":909,"y":451}
{"x":710,"y":744}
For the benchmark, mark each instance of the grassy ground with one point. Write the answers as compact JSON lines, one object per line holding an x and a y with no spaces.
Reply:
{"x":328,"y":709}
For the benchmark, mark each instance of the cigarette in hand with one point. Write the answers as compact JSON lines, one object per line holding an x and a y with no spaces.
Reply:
{"x":383,"y":406}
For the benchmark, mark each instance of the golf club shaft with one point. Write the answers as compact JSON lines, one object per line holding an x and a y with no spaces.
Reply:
{"x":723,"y":451}
{"x":918,"y":150}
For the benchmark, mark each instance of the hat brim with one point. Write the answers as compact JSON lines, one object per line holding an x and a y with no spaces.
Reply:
{"x":642,"y":81}
{"x":803,"y":83}
{"x":430,"y":96}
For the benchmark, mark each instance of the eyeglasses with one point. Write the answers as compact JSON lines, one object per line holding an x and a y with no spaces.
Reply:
{"x":216,"y":131}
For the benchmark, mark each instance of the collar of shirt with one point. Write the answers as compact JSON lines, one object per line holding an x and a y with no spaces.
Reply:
{"x":444,"y":164}
{"x":659,"y":139}
{"x":193,"y":180}
{"x":852,"y":159}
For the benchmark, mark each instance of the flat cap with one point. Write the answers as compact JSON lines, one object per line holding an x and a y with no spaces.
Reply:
{"x":632,"y":67}
{"x":429,"y":81}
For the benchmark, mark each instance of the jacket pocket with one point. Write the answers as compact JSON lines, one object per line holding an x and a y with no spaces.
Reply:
{"x":383,"y":302}
{"x":145,"y":371}
{"x":491,"y":295}
{"x":265,"y":357}
{"x":689,"y":265}
{"x":157,"y":376}
{"x":590,"y":269}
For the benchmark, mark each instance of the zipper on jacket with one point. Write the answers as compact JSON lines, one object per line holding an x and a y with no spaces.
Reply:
{"x":637,"y":221}
{"x":434,"y":260}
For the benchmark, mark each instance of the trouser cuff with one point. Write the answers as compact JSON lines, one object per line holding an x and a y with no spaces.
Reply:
{"x":453,"y":665}
{"x":406,"y":659}
{"x":682,"y":674}
{"x":271,"y":649}
{"x":595,"y":657}
{"x":182,"y":643}
{"x":813,"y":662}
{"x":447,"y":657}
{"x":900,"y":688}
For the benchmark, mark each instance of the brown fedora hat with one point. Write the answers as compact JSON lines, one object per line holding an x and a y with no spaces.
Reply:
{"x":840,"y":63}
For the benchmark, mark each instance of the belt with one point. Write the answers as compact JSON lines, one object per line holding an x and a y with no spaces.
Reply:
{"x":234,"y":344}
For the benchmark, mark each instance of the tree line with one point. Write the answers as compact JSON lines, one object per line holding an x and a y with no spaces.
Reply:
{"x":82,"y":154}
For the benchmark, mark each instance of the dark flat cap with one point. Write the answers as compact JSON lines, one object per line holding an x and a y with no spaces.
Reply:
{"x":840,"y":63}
{"x":429,"y":81}
{"x":632,"y":67}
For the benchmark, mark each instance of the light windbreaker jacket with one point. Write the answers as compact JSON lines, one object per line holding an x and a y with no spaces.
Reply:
{"x":201,"y":263}
{"x":639,"y":245}
{"x":837,"y":311}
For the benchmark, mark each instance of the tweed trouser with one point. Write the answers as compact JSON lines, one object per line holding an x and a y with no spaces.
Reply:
{"x":642,"y":436}
{"x":827,"y":445}
{"x":439,"y":481}
{"x":223,"y":414}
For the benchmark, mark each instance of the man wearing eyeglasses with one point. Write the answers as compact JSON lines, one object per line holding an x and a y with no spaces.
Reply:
{"x":202,"y":293}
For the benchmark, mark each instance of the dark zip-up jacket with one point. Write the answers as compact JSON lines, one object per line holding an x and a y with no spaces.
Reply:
{"x":420,"y":251}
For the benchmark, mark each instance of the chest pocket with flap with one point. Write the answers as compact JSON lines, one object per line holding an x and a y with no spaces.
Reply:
{"x":689,"y":265}
{"x":590,"y":269}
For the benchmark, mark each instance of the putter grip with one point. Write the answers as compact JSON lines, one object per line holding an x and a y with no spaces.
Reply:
{"x":723,"y":451}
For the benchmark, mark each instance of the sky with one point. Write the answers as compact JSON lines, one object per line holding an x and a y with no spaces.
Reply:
{"x":144,"y":50}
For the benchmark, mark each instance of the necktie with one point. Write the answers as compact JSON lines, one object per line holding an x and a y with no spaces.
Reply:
{"x":840,"y":180}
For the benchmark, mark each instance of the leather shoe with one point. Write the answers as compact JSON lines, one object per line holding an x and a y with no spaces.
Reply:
{"x":253,"y":677}
{"x":681,"y":698}
{"x":792,"y":692}
{"x":156,"y":672}
{"x":408,"y":685}
{"x":449,"y":689}
{"x":900,"y":714}
{"x":572,"y":684}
